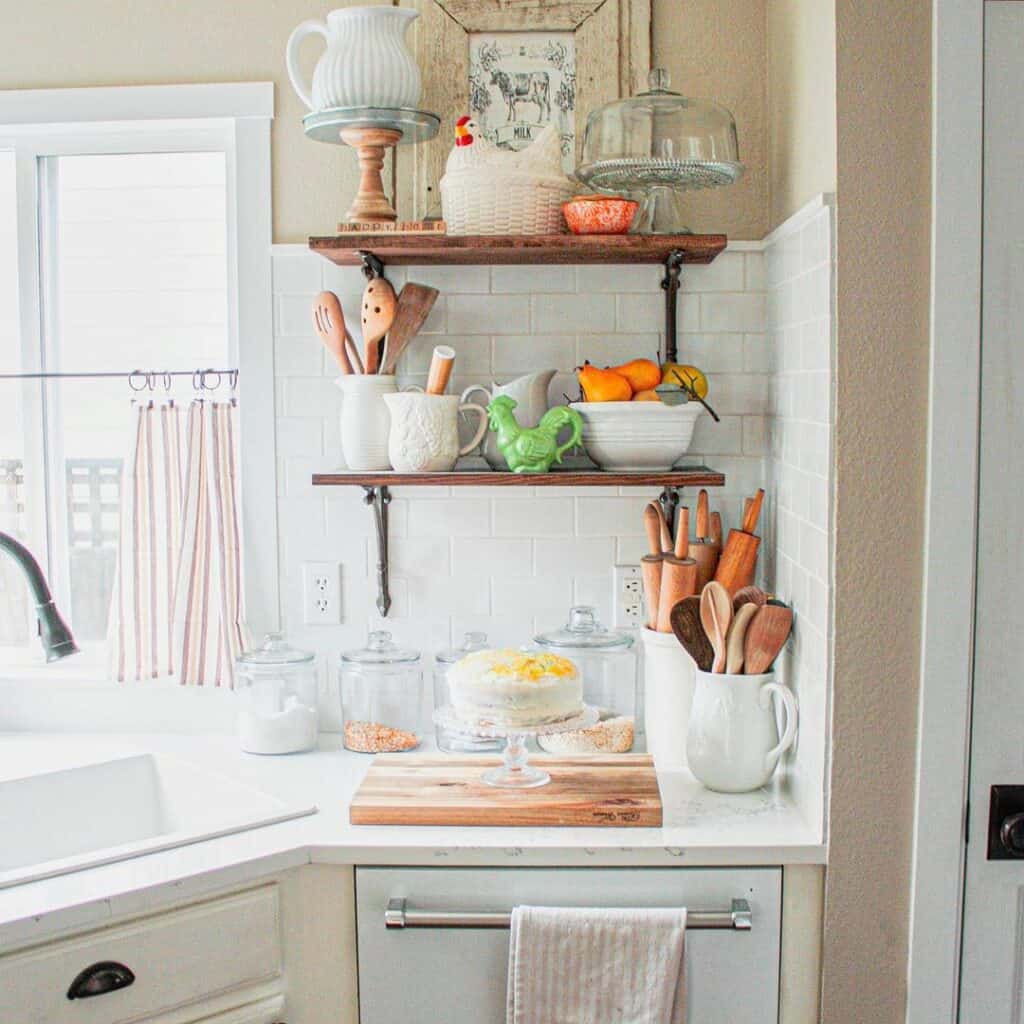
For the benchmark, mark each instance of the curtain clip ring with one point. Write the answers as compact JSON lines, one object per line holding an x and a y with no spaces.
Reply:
{"x":137,"y":380}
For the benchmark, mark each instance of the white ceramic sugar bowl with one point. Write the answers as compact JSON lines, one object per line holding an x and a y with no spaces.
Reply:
{"x":366,"y":64}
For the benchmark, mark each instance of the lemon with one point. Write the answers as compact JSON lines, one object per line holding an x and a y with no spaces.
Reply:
{"x":691,"y":377}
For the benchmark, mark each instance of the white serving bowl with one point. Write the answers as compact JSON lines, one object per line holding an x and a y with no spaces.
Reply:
{"x":637,"y":436}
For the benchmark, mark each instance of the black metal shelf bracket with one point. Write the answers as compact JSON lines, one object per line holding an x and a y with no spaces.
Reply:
{"x":372,"y":266}
{"x":670,"y":283}
{"x":669,"y":501}
{"x":378,"y":498}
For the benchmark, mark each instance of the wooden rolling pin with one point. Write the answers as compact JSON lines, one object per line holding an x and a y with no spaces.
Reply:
{"x":704,"y":550}
{"x":650,"y":564}
{"x":678,"y":573}
{"x":738,"y":562}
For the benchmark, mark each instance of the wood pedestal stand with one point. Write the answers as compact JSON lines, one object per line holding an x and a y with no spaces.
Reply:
{"x":370,"y":203}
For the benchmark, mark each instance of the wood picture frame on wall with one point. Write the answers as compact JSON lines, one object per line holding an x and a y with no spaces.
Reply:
{"x":612,"y":44}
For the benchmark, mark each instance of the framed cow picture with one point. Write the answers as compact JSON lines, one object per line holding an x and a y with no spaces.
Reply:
{"x":515,"y":66}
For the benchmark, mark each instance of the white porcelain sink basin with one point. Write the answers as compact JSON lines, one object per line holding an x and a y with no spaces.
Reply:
{"x":59,"y":821}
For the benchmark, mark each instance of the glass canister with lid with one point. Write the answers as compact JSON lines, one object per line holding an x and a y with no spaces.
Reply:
{"x":607,"y":661}
{"x":448,"y":740}
{"x":381,"y":696}
{"x":275,"y":685}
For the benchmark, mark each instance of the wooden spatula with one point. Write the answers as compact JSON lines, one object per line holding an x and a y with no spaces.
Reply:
{"x":734,"y":652}
{"x":748,"y":595}
{"x":378,"y":314}
{"x":766,"y":636}
{"x":686,"y":625}
{"x":715,"y":617}
{"x":415,"y":301}
{"x":329,"y":321}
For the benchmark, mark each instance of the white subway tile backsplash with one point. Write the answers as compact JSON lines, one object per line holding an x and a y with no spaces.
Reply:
{"x":541,"y":517}
{"x":530,"y":279}
{"x":613,"y":349}
{"x":518,"y":354}
{"x":547,"y":596}
{"x":488,"y":314}
{"x":597,"y":517}
{"x":732,"y":311}
{"x":726,"y":274}
{"x":294,"y":316}
{"x":617,"y":278}
{"x":451,"y":280}
{"x":491,"y":557}
{"x":454,"y":517}
{"x":589,"y":314}
{"x":296,"y":269}
{"x":573,"y":555}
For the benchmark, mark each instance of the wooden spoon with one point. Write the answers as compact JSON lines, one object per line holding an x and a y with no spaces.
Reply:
{"x":716,"y":616}
{"x":378,"y":313}
{"x":766,"y":636}
{"x":748,"y":595}
{"x":686,"y":624}
{"x":734,"y":652}
{"x":329,"y":321}
{"x":415,"y":301}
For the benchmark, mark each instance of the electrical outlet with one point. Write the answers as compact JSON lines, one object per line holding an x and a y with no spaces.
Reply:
{"x":627,"y":595}
{"x":321,"y":593}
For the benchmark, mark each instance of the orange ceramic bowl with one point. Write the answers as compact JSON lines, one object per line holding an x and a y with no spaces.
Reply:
{"x":599,"y":215}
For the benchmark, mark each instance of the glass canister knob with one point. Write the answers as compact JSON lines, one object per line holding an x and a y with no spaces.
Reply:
{"x":658,"y":80}
{"x":378,"y":640}
{"x":582,"y":619}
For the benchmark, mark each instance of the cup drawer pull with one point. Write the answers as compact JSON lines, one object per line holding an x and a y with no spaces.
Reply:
{"x":101,"y":978}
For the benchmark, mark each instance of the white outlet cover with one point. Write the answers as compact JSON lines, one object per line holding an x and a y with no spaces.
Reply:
{"x":321,"y":593}
{"x":627,"y":596}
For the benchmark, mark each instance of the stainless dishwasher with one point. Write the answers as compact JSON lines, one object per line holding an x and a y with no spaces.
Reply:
{"x":433,"y":942}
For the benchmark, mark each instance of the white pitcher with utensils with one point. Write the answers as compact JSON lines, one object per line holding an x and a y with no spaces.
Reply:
{"x":424,"y":434}
{"x":732,"y":744}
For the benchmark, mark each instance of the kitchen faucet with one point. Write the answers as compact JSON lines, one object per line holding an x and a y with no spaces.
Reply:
{"x":53,"y":631}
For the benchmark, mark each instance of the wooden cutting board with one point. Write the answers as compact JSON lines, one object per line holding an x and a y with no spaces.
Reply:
{"x":588,"y":790}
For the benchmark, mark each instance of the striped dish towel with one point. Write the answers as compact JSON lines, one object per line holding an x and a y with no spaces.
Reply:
{"x":574,"y":965}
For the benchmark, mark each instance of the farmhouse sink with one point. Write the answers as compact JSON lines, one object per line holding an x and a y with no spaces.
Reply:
{"x":60,"y":821}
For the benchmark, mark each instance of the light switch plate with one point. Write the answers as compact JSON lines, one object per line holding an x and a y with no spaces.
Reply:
{"x":321,"y":593}
{"x":627,"y":595}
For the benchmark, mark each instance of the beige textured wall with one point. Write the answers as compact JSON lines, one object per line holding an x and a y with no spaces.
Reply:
{"x":714,"y":48}
{"x":801,"y":104}
{"x":883,"y":106}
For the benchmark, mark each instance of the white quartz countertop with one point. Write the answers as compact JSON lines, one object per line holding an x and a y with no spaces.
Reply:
{"x":700,"y":829}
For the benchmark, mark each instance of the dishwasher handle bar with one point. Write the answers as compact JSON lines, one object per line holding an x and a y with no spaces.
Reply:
{"x":398,"y":915}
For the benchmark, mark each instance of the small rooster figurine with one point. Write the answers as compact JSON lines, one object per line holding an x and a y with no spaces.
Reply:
{"x":534,"y":449}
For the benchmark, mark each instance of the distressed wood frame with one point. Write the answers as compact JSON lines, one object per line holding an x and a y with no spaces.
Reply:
{"x":613,"y":57}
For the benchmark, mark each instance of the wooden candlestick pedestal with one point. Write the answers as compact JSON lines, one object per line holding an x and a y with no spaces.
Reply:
{"x":370,"y":203}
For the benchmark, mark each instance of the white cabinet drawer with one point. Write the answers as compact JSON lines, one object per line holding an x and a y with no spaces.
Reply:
{"x":459,"y":975}
{"x":177,"y":958}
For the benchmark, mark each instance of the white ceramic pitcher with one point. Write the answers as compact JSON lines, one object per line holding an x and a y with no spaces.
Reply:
{"x":531,"y":395}
{"x":365,"y":421}
{"x":732,"y":744}
{"x":367,"y":63}
{"x":424,"y":435}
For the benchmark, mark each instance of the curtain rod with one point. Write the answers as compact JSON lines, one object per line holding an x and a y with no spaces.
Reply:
{"x":138,"y":380}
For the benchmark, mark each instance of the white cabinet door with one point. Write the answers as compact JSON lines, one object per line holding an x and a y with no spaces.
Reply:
{"x":459,"y":976}
{"x":992,"y":978}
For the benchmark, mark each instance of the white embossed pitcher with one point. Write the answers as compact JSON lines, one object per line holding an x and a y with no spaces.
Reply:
{"x":732,"y":744}
{"x":367,"y":63}
{"x":531,"y":396}
{"x":424,"y":436}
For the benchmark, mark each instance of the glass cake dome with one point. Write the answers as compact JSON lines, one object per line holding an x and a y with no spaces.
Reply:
{"x":657,"y":144}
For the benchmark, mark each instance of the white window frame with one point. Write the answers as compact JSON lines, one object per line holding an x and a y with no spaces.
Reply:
{"x":233,"y":119}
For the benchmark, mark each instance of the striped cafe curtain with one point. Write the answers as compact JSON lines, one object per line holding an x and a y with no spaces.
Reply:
{"x":177,"y":600}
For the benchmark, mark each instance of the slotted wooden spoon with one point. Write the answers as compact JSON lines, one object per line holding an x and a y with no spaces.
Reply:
{"x":716,"y":617}
{"x":766,"y":636}
{"x":378,"y":314}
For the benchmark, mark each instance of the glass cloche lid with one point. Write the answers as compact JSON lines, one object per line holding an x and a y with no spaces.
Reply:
{"x":659,"y":138}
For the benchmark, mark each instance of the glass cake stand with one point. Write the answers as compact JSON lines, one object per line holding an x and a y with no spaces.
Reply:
{"x":515,"y":771}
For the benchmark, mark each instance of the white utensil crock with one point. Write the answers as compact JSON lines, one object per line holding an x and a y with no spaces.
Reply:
{"x":424,"y":435}
{"x":668,"y":693}
{"x":366,"y":64}
{"x":733,"y":744}
{"x":365,"y":420}
{"x":531,"y":395}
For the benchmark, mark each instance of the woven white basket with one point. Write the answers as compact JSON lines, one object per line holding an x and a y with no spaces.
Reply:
{"x":478,"y":204}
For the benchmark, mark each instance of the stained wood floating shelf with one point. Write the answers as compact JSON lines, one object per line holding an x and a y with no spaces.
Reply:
{"x":403,"y":250}
{"x":690,"y":476}
{"x":378,"y":493}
